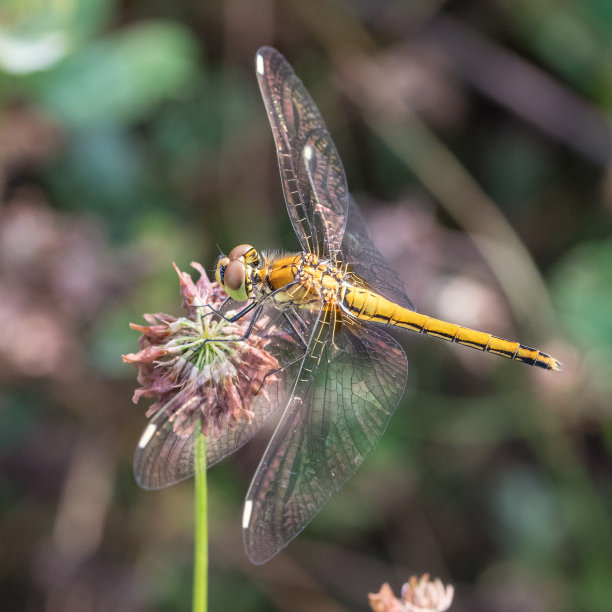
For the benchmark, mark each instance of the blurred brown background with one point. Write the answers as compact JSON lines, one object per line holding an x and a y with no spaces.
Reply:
{"x":475,"y":136}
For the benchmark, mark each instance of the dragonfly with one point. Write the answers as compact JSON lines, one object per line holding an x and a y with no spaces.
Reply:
{"x":324,"y":312}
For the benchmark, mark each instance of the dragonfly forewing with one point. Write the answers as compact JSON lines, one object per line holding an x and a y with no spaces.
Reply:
{"x":310,"y":168}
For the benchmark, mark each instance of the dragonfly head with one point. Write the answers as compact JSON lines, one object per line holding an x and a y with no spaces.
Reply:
{"x":235,"y":271}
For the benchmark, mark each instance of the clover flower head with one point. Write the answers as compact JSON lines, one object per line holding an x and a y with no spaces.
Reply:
{"x":203,"y":367}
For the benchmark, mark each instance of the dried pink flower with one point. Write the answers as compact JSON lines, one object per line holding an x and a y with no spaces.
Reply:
{"x":418,"y":595}
{"x":385,"y":600}
{"x":202,"y":367}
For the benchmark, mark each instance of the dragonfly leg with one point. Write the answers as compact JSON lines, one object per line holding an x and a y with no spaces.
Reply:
{"x":219,"y":311}
{"x":244,"y":311}
{"x":249,"y":330}
{"x":212,"y":308}
{"x":279,"y":369}
{"x":247,"y":333}
{"x":296,"y":331}
{"x":292,"y":321}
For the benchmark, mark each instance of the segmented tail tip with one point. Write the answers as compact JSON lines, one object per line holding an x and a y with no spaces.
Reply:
{"x":555,"y":366}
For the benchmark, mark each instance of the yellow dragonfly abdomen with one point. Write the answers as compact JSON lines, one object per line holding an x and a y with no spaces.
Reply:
{"x":366,"y":305}
{"x":303,"y":279}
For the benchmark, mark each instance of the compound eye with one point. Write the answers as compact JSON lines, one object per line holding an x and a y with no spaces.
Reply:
{"x":235,"y":276}
{"x":239,"y":251}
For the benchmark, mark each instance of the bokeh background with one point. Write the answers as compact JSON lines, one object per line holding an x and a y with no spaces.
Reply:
{"x":476,"y":137}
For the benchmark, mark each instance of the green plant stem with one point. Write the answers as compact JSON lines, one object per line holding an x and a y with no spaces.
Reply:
{"x":200,"y":564}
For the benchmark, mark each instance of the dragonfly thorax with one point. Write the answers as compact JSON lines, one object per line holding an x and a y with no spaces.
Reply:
{"x":235,"y":272}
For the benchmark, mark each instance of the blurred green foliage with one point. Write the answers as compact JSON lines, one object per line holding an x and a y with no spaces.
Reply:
{"x":132,"y":135}
{"x":583,"y":293}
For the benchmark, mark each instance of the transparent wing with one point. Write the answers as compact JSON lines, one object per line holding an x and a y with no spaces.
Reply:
{"x":367,"y":263}
{"x":164,"y":455}
{"x":311,"y":172}
{"x":343,"y":399}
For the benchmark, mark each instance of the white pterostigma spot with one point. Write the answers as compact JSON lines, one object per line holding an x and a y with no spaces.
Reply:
{"x":259,"y":64}
{"x":246,"y":515}
{"x":147,"y":434}
{"x":308,"y":152}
